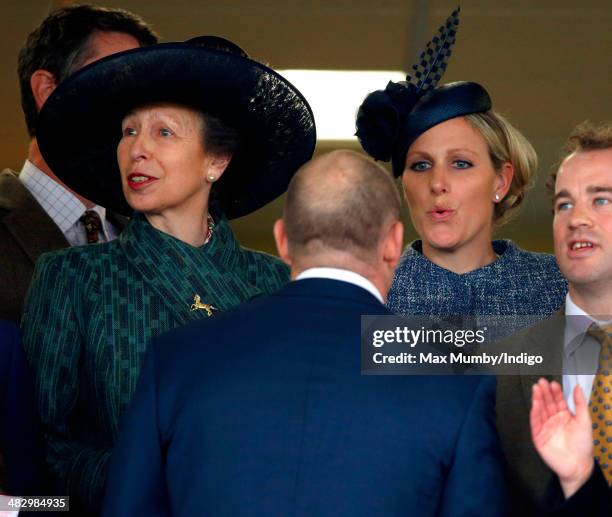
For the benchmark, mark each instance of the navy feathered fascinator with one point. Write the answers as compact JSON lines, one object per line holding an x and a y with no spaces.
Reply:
{"x":389,"y":120}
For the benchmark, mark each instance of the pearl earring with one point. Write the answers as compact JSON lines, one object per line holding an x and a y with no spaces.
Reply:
{"x":211,"y":178}
{"x":496,"y":197}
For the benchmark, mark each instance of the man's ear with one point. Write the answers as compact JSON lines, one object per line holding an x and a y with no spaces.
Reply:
{"x":392,"y":244}
{"x":42,"y":83}
{"x":282,"y":245}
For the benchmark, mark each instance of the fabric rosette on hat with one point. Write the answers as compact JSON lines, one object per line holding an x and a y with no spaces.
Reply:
{"x":390,"y":120}
{"x":80,"y":123}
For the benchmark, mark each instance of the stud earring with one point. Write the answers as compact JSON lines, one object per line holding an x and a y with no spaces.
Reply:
{"x":211,"y":178}
{"x":496,"y":197}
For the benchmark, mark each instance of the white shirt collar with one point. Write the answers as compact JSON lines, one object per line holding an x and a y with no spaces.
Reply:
{"x":60,"y":204}
{"x":571,"y":309}
{"x":343,"y":275}
{"x":576,"y":325}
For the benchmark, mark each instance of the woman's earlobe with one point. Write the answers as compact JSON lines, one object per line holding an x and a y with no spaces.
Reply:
{"x":505,"y":176}
{"x":217,"y":166}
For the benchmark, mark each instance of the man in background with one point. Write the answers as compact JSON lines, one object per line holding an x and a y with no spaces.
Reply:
{"x":568,"y":466}
{"x":263,"y":410}
{"x":38,"y":213}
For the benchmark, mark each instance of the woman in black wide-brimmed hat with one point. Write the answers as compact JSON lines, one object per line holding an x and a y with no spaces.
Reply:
{"x":181,"y":136}
{"x":465,"y":170}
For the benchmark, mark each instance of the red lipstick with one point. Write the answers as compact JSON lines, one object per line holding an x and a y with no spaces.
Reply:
{"x":138,"y":180}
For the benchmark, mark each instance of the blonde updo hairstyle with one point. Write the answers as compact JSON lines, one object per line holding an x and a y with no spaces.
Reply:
{"x":507,"y":144}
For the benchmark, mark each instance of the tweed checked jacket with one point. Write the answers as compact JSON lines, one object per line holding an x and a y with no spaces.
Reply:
{"x":533,"y":487}
{"x":26,"y":231}
{"x":519,"y":282}
{"x":89,"y":315}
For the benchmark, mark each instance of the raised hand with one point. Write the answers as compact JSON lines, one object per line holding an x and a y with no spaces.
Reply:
{"x":564,"y":441}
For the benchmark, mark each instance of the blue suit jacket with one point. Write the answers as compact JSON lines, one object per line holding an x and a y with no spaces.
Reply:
{"x":263,"y":411}
{"x":20,"y":435}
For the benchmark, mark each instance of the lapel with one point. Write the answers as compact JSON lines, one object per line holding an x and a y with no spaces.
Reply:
{"x":176,"y":272}
{"x":546,"y":338}
{"x":33,"y":230}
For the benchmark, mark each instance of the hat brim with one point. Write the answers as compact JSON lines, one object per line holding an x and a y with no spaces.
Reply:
{"x":79,"y":126}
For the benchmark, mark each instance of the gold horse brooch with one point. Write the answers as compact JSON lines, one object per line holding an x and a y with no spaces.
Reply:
{"x":197,"y":304}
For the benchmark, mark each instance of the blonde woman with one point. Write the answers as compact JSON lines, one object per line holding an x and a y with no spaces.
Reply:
{"x":465,"y":169}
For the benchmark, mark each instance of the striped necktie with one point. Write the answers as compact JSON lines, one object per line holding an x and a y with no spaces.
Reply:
{"x":600,"y":403}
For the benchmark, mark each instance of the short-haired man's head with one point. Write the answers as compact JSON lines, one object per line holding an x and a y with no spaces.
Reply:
{"x":341,"y":203}
{"x":583,"y":138}
{"x":60,"y":45}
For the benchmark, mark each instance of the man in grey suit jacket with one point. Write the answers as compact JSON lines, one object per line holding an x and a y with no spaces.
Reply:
{"x":37,"y":212}
{"x":558,"y":447}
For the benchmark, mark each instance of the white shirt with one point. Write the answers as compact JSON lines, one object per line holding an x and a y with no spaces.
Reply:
{"x":343,"y":275}
{"x":580,"y":352}
{"x":62,"y":206}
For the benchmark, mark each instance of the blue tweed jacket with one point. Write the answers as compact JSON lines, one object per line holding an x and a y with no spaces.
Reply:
{"x":518,"y":283}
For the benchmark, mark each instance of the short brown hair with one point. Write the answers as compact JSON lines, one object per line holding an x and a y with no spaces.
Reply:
{"x":61,"y":42}
{"x":586,"y":136}
{"x":340,"y":201}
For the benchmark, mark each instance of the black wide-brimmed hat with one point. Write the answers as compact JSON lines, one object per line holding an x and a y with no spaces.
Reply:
{"x":390,"y":120}
{"x":79,"y":126}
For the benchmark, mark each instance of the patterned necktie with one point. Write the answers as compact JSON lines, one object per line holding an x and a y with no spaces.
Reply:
{"x":93,"y":225}
{"x":600,"y":403}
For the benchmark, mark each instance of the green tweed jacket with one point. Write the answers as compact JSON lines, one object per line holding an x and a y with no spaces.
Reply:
{"x":89,"y":314}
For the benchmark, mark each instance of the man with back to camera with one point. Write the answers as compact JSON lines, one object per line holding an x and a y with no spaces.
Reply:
{"x":21,"y":444}
{"x":568,"y":467}
{"x":263,"y":411}
{"x":37,"y":212}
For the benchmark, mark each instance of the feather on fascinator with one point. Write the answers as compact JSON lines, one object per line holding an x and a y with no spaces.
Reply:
{"x":378,"y":118}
